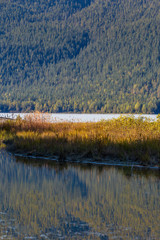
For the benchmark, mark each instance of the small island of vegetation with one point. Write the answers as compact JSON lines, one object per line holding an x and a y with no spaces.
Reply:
{"x":126,"y":140}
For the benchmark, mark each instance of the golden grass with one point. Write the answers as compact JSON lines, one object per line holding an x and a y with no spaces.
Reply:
{"x":125,"y":138}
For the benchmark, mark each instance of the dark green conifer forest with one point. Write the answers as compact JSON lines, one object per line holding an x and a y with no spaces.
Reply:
{"x":80,"y":56}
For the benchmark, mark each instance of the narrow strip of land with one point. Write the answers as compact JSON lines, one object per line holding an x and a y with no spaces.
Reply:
{"x":123,"y":140}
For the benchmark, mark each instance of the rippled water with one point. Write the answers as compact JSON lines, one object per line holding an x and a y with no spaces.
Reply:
{"x":47,"y":200}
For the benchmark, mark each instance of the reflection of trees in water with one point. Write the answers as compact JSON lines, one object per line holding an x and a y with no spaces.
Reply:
{"x":51,"y":196}
{"x":140,"y":172}
{"x":128,"y":171}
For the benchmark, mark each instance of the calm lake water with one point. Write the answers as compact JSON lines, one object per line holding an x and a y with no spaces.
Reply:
{"x":47,"y":200}
{"x":60,"y":117}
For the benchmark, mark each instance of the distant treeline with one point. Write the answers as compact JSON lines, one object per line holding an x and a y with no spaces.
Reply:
{"x":80,"y":56}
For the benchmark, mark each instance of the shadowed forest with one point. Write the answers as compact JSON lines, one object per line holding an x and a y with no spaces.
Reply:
{"x":80,"y":56}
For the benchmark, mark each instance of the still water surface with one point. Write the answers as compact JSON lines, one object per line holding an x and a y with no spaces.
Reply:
{"x":47,"y":200}
{"x":63,"y":117}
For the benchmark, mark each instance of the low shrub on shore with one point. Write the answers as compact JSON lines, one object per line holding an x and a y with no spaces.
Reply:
{"x":125,"y":138}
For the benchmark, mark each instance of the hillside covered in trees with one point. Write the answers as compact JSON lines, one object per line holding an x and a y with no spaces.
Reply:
{"x":80,"y":55}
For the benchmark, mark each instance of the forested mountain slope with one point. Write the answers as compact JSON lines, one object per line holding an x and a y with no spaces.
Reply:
{"x":80,"y":55}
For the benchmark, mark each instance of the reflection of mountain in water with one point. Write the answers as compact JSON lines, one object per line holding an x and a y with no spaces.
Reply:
{"x":51,"y":200}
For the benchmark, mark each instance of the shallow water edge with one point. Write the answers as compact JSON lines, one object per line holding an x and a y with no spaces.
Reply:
{"x":105,"y":162}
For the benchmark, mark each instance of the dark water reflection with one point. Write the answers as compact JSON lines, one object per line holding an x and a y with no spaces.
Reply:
{"x":43,"y":200}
